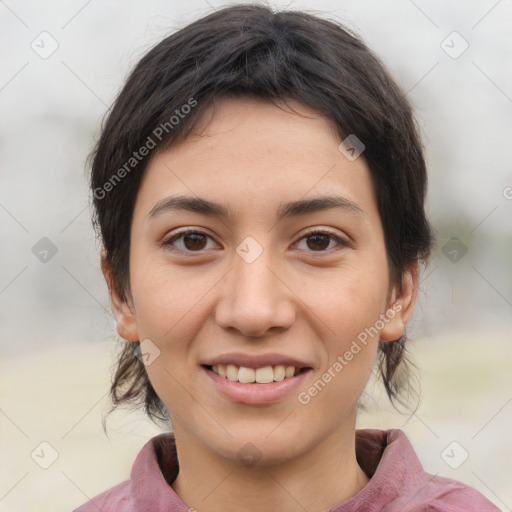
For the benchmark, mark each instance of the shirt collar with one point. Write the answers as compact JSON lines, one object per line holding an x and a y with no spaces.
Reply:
{"x":386,"y":456}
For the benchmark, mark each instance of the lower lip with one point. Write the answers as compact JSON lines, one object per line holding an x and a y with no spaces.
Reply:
{"x":254,"y":393}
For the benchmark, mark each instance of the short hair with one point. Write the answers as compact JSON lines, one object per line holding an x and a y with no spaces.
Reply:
{"x":253,"y":50}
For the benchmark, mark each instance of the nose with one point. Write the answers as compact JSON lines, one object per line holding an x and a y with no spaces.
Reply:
{"x":254,"y":298}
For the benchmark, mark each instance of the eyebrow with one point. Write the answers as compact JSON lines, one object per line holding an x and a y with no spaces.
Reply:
{"x":286,"y":210}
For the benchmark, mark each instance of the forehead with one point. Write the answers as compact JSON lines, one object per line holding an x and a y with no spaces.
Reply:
{"x":258,"y":129}
{"x":249,"y":154}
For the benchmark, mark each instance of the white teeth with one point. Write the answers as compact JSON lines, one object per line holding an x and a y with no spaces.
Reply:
{"x":279,"y":373}
{"x":231,"y":372}
{"x":263,"y":375}
{"x":246,"y":375}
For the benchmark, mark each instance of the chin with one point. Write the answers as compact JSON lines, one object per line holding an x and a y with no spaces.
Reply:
{"x":256,"y":447}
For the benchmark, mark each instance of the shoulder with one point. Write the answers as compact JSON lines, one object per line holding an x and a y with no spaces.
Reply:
{"x":424,"y":492}
{"x":148,"y":486}
{"x":115,"y":499}
{"x":442,"y":494}
{"x":399,"y":482}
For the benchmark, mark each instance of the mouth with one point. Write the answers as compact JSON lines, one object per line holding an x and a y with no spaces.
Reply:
{"x":262,"y":375}
{"x":255,"y":386}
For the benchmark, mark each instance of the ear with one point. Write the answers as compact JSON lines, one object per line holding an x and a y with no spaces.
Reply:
{"x":401,"y":306}
{"x":123,"y":311}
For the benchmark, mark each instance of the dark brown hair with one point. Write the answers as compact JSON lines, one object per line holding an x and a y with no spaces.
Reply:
{"x":288,"y":55}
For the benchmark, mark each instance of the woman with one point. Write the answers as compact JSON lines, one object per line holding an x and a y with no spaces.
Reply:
{"x":259,"y":188}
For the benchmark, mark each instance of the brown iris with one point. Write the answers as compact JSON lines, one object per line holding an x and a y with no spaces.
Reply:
{"x":318,"y":241}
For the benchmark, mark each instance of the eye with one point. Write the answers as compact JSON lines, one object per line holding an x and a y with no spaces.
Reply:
{"x":191,"y":240}
{"x":319,"y":241}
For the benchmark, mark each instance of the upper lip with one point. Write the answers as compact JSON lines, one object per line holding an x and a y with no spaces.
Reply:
{"x":255,"y":361}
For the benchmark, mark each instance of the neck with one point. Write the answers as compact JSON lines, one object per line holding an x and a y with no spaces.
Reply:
{"x":317,"y":480}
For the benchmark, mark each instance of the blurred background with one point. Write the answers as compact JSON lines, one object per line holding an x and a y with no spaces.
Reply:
{"x":63,"y":64}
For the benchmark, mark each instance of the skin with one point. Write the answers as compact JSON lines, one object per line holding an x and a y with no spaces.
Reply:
{"x":310,"y":301}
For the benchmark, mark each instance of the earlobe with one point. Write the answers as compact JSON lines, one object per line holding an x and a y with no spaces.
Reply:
{"x":400,"y":310}
{"x":124,"y":313}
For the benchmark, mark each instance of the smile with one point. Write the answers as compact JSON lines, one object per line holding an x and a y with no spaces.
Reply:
{"x":245,"y":385}
{"x":263,"y":375}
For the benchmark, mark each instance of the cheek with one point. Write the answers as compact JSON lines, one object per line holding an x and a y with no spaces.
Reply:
{"x":167,"y":298}
{"x":350,"y":306}
{"x":168,"y":305}
{"x":351,"y":299}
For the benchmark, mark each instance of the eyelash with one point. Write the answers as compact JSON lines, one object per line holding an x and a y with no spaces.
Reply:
{"x":188,"y":231}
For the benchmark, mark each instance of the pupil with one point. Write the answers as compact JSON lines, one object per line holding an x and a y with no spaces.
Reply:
{"x":316,"y":240}
{"x":196,"y":238}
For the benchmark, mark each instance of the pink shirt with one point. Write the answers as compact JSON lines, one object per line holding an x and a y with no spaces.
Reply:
{"x":397,"y":481}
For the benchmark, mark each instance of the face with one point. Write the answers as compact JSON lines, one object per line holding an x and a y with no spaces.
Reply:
{"x":273,"y":280}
